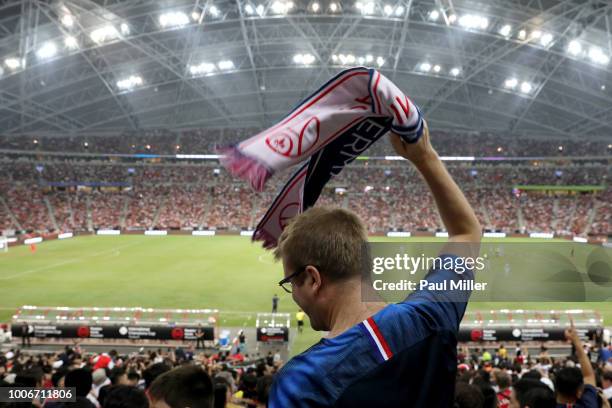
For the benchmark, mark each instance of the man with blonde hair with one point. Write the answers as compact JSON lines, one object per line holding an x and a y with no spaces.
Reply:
{"x":376,"y":355}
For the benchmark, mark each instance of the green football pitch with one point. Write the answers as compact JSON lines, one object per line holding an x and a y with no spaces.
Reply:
{"x":228,"y":273}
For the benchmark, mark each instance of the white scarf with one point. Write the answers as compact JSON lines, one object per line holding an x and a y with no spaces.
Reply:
{"x":329,"y":129}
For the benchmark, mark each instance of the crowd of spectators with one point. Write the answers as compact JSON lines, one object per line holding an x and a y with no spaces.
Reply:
{"x":28,"y":208}
{"x":232,"y":207}
{"x":357,"y":177}
{"x":603,"y":216}
{"x":493,"y":377}
{"x":84,"y":195}
{"x":487,"y":377}
{"x":200,"y":141}
{"x":538,"y":212}
{"x":185,"y":207}
{"x":173,"y":378}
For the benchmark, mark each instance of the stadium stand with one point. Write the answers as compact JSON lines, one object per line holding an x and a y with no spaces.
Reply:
{"x":244,"y":379}
{"x":200,"y":141}
{"x":71,"y":195}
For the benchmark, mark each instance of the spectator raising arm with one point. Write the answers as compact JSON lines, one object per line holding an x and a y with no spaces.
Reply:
{"x":585,"y":364}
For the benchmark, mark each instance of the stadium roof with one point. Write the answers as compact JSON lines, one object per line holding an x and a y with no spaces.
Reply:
{"x":520,"y":66}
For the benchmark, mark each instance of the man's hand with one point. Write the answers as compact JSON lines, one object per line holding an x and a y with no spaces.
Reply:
{"x":572,"y":335}
{"x":417,"y":152}
{"x":585,"y":365}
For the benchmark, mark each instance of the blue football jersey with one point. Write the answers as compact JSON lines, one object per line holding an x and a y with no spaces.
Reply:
{"x":403,"y":356}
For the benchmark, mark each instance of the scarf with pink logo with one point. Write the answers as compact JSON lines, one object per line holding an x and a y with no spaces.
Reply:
{"x":328,"y":130}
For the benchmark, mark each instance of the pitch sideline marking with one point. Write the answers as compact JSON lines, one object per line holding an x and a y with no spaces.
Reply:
{"x":43,"y":268}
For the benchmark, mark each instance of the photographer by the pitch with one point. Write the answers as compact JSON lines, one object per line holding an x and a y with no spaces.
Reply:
{"x":376,"y":355}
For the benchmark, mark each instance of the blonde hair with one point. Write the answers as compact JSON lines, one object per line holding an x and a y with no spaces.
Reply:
{"x":332,"y":239}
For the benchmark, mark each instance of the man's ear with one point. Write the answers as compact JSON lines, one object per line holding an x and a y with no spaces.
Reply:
{"x":313,"y":277}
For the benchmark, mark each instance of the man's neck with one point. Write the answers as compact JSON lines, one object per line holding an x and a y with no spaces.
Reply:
{"x":350,"y":310}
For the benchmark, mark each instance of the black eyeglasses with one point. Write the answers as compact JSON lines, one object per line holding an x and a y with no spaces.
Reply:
{"x":286,"y":283}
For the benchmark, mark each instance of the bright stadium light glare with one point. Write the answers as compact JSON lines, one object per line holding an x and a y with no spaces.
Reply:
{"x":125,"y":29}
{"x":130,"y":82}
{"x":437,"y":68}
{"x":71,"y":43}
{"x":388,"y":10}
{"x":48,"y":50}
{"x":455,"y":71}
{"x":102,"y":34}
{"x":279,"y":7}
{"x":260,"y":10}
{"x":214,"y":11}
{"x":522,"y":34}
{"x":333,"y":7}
{"x":366,"y":8}
{"x":249,"y":9}
{"x":350,"y":59}
{"x":202,"y":69}
{"x":574,"y":48}
{"x":67,"y":20}
{"x":315,"y":7}
{"x":369,"y":58}
{"x":471,"y":21}
{"x":506,"y":30}
{"x":434,"y":15}
{"x":334,"y":58}
{"x":380,"y":61}
{"x":195,"y":16}
{"x":526,"y":87}
{"x":511,"y":83}
{"x":399,"y":11}
{"x":173,"y":19}
{"x":12,"y":63}
{"x":597,"y":55}
{"x":361,"y":60}
{"x":425,"y":67}
{"x":535,"y":34}
{"x":225,"y":65}
{"x":452,"y":18}
{"x":546,"y":39}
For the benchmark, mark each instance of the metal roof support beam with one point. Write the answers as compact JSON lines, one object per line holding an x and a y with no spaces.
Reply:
{"x":560,"y":101}
{"x":397,"y":53}
{"x":491,"y":54}
{"x":247,"y":45}
{"x":187,"y":55}
{"x":162,"y":59}
{"x":457,"y":102}
{"x":38,"y":112}
{"x":551,"y":60}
